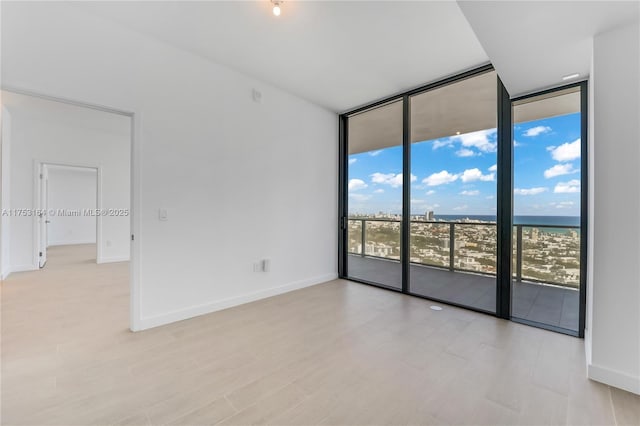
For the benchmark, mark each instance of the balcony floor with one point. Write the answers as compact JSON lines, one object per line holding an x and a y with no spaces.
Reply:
{"x":550,"y":305}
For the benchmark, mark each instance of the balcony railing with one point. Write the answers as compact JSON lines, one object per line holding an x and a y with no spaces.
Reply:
{"x":541,"y":253}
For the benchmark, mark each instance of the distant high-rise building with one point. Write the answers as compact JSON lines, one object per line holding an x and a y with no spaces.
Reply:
{"x":534,"y":235}
{"x":428,"y":215}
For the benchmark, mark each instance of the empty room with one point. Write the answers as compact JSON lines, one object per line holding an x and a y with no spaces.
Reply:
{"x":320,"y":212}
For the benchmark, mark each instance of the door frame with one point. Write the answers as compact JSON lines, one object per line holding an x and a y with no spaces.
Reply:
{"x":135,"y":206}
{"x":42,"y":215}
{"x":38,"y":166}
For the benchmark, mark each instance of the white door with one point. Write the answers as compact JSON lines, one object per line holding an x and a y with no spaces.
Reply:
{"x":43,"y":215}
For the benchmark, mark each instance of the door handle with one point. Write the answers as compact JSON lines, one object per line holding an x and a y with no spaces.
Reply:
{"x":47,"y":221}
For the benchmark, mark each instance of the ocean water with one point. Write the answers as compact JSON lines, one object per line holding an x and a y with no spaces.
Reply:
{"x":517,"y":220}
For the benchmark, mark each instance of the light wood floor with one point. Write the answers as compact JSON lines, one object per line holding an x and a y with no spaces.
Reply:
{"x":336,"y":353}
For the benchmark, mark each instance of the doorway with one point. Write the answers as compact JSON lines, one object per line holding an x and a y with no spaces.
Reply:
{"x":69,"y":208}
{"x":43,"y":139}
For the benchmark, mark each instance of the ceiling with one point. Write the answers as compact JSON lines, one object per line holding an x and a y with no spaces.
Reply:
{"x":339,"y":55}
{"x":345,"y":54}
{"x":467,"y":106}
{"x":49,"y":111}
{"x":533,"y":44}
{"x":463,"y":107}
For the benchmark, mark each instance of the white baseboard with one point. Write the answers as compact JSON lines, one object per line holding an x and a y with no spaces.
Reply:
{"x":614,"y":378}
{"x":70,"y":242}
{"x":5,"y":274}
{"x":207,"y":308}
{"x":113,"y":259}
{"x":22,"y":268}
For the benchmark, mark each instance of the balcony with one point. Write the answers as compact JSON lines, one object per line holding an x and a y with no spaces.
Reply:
{"x":456,"y":262}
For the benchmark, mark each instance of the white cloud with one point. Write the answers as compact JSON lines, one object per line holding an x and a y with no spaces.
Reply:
{"x":464,"y":152}
{"x":566,"y":152}
{"x":439,"y":143}
{"x":470,"y":192}
{"x":530,"y":191}
{"x":463,"y":207}
{"x":559,"y":170}
{"x":430,"y":192}
{"x":440,"y":178}
{"x":493,"y":168}
{"x":356,"y":184}
{"x":482,"y":140}
{"x":375,"y":153}
{"x":570,"y":187}
{"x":489,"y":197}
{"x":378,"y":191}
{"x":562,"y":204}
{"x":352,"y":160}
{"x":422,"y":204}
{"x":538,"y":130}
{"x":392,"y":179}
{"x":360,"y":197}
{"x":472,"y":175}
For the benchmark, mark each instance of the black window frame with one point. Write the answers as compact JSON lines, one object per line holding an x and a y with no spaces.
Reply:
{"x":504,"y":106}
{"x":584,"y":203}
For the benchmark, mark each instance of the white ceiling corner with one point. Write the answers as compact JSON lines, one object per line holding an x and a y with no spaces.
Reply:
{"x":533,"y":44}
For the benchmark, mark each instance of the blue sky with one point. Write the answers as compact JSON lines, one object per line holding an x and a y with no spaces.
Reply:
{"x":457,"y":175}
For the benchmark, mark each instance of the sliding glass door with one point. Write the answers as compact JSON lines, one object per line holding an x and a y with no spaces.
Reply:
{"x":457,"y":193}
{"x":374,"y":195}
{"x":453,"y":198}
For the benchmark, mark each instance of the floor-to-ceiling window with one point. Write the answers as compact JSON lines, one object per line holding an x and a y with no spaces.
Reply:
{"x":547,"y":243}
{"x":455,"y":193}
{"x":374,"y":195}
{"x":453,"y":199}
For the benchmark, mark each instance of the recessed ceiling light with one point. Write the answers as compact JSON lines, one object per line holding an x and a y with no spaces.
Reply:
{"x":457,"y":133}
{"x":436,"y":307}
{"x":571,"y":76}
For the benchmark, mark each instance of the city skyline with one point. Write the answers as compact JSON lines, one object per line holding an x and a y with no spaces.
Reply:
{"x":456,"y":175}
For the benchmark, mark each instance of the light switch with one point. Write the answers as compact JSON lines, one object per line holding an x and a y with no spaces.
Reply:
{"x":163,"y":215}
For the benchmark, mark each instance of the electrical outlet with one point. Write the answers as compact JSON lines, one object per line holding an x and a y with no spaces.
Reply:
{"x":257,"y":267}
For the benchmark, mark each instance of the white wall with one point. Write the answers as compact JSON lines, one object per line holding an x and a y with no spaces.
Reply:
{"x":241,"y":180}
{"x":72,"y":189}
{"x":614,"y":304}
{"x":5,"y":192}
{"x":69,"y":136}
